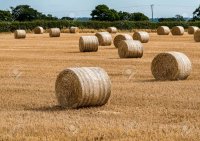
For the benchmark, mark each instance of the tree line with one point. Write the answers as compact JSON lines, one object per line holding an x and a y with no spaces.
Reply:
{"x":100,"y":13}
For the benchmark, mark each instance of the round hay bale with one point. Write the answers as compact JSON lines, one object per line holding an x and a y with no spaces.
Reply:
{"x":197,"y":36}
{"x":88,"y":44}
{"x":130,"y":49}
{"x":112,"y":30}
{"x":74,"y":29}
{"x":171,"y":66}
{"x":142,"y":36}
{"x":20,"y":34}
{"x":177,"y":30}
{"x":120,"y":38}
{"x":105,"y":38}
{"x":192,"y":29}
{"x":163,"y":30}
{"x":54,"y":32}
{"x":39,"y":30}
{"x":83,"y":87}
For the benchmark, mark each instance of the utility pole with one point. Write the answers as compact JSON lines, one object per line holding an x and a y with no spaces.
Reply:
{"x":152,"y":6}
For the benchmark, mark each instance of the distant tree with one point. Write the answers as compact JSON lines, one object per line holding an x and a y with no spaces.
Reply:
{"x":67,"y":18}
{"x":124,"y":16}
{"x":138,"y":17}
{"x":179,"y":18}
{"x":176,"y":18}
{"x":26,"y":13}
{"x":5,"y":15}
{"x":103,"y":13}
{"x":50,"y":17}
{"x":196,"y":14}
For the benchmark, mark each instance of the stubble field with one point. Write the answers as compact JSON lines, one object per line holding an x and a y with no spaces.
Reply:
{"x":140,"y":108}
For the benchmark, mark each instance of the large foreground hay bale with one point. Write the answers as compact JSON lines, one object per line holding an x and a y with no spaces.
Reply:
{"x":112,"y":29}
{"x":74,"y":29}
{"x":83,"y":87}
{"x":130,"y":49}
{"x":197,"y":36}
{"x":192,"y":29}
{"x":142,"y":36}
{"x":39,"y":30}
{"x":88,"y":44}
{"x":178,"y":30}
{"x":120,"y":38}
{"x":163,"y":30}
{"x":105,"y":38}
{"x":171,"y":66}
{"x":20,"y":34}
{"x":54,"y":32}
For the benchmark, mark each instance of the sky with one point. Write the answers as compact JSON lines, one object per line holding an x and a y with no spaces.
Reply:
{"x":82,"y":8}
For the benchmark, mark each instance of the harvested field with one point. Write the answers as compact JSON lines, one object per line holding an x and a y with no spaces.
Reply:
{"x":140,"y":108}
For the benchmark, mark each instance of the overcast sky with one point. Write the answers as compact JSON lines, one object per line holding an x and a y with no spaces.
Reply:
{"x":82,"y":8}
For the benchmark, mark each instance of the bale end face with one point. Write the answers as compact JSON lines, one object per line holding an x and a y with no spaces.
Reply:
{"x":197,"y":36}
{"x":83,"y":87}
{"x":171,"y":66}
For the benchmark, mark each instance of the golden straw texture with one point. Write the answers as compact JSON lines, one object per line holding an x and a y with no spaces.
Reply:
{"x":20,"y":34}
{"x":88,"y":44}
{"x":171,"y":66}
{"x":105,"y":38}
{"x":143,"y":37}
{"x":83,"y":87}
{"x":177,"y":30}
{"x":130,"y":49}
{"x":74,"y":29}
{"x":192,"y":29}
{"x":197,"y":36}
{"x":163,"y":30}
{"x":39,"y":30}
{"x":54,"y":32}
{"x":120,"y":38}
{"x":112,"y":29}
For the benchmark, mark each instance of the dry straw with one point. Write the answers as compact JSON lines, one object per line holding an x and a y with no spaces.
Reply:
{"x":120,"y":38}
{"x":54,"y":32}
{"x":83,"y":87}
{"x":142,"y":36}
{"x":39,"y":30}
{"x":177,"y":30}
{"x":105,"y":38}
{"x":197,"y":36}
{"x":112,"y":29}
{"x":88,"y":44}
{"x":163,"y":30}
{"x":192,"y":29}
{"x":20,"y":34}
{"x":130,"y":49}
{"x":171,"y":66}
{"x":74,"y":29}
